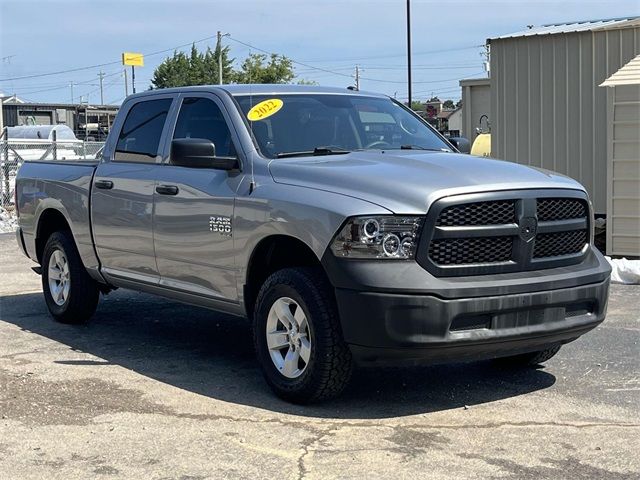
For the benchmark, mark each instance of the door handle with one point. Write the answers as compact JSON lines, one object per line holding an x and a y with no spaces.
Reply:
{"x":167,"y":189}
{"x":104,"y":184}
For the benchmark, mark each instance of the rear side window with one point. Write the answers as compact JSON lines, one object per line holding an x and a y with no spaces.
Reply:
{"x":201,"y":118}
{"x":140,"y":136}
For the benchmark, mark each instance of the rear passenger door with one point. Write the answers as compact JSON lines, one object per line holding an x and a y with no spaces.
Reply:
{"x":194,"y":207}
{"x":123,"y":191}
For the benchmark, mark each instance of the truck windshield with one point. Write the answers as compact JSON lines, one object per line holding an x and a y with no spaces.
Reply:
{"x":327,"y":124}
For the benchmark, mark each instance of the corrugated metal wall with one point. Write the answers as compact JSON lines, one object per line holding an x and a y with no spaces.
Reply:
{"x":623,"y":219}
{"x":476,"y":102}
{"x":546,"y":105}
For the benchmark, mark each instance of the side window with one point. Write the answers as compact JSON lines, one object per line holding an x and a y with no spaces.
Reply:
{"x":140,"y":135}
{"x":201,"y":118}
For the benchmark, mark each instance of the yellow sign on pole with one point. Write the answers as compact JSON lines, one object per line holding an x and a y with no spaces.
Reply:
{"x":133,"y":59}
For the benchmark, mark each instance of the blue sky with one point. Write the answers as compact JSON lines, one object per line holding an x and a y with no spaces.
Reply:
{"x":328,"y":37}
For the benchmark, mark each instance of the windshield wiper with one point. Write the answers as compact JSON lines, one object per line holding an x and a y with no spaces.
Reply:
{"x":315,"y":151}
{"x":420,"y":147}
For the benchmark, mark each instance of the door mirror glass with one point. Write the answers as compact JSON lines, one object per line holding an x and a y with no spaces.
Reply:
{"x":461,"y":143}
{"x":199,"y":153}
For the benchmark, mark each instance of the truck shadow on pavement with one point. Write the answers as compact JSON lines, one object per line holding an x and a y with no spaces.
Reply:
{"x":211,"y":354}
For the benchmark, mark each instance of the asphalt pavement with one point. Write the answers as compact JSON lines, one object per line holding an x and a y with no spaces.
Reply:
{"x":154,"y":389}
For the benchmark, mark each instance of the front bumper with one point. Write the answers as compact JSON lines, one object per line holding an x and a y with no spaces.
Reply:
{"x":498,"y":316}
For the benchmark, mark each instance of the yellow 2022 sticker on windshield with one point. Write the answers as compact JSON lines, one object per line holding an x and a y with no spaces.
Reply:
{"x":265,"y":109}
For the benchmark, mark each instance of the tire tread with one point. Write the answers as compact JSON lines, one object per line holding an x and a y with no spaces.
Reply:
{"x":84,"y":293}
{"x":332,"y":374}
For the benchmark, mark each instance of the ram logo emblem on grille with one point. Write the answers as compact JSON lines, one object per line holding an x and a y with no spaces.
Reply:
{"x":528,"y":228}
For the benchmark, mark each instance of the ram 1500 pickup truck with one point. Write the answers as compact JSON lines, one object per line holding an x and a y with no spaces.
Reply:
{"x":339,"y":222}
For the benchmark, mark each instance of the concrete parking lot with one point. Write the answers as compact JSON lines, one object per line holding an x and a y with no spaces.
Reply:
{"x":155,"y":389}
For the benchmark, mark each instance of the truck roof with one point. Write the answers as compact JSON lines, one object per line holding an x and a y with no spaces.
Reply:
{"x":264,"y":89}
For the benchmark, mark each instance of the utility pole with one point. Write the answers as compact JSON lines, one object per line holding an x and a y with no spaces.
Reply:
{"x":486,"y":54}
{"x":126,"y":83}
{"x":133,"y":79}
{"x":71,"y":85}
{"x":101,"y":76}
{"x":357,"y":77}
{"x":409,"y":51}
{"x":219,"y":51}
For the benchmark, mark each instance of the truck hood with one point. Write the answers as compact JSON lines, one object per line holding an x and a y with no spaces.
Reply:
{"x":409,"y":181}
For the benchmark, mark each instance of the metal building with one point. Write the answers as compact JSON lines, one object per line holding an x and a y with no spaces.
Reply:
{"x":87,"y":121}
{"x":623,"y":165}
{"x":546,"y":104}
{"x":476,"y":106}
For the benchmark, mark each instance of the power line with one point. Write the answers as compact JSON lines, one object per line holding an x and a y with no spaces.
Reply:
{"x":27,"y":90}
{"x":422,"y":82}
{"x":428,"y":52}
{"x":292,"y":60}
{"x":334,"y":72}
{"x":118,"y":62}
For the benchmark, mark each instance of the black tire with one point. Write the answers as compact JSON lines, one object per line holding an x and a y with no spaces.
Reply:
{"x":83,"y":294}
{"x":330,"y":364}
{"x":531,"y":359}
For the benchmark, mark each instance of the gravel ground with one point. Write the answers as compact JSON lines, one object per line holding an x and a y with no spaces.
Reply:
{"x":8,"y":221}
{"x":155,"y":389}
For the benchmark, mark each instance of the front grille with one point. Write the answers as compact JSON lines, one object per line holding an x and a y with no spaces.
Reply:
{"x":480,"y":213}
{"x":551,"y":209}
{"x":458,"y":251}
{"x":560,"y":243}
{"x":504,"y":232}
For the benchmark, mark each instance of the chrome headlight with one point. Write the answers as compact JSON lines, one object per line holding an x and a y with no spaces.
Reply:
{"x":385,"y":237}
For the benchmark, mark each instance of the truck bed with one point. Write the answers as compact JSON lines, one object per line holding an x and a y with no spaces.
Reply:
{"x":64,"y":186}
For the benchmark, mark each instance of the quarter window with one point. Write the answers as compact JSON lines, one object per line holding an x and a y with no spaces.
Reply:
{"x":140,"y":136}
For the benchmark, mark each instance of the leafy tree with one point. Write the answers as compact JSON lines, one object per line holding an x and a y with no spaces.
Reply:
{"x":197,"y":68}
{"x":459,"y":104}
{"x":303,"y":81}
{"x":417,"y":105}
{"x":258,"y":68}
{"x":448,"y":105}
{"x":173,"y":72}
{"x":211,"y":65}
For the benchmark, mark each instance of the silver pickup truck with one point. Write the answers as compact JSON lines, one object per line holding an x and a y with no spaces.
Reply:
{"x":339,"y":222}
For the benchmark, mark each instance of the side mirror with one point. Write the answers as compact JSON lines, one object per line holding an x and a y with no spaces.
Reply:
{"x":461,"y":144}
{"x":199,"y":153}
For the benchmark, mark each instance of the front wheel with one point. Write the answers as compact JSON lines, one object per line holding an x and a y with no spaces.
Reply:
{"x":298,"y":338}
{"x":70,"y":293}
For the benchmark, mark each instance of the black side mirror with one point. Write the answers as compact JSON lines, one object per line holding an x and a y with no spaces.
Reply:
{"x":199,"y":153}
{"x":462,"y":144}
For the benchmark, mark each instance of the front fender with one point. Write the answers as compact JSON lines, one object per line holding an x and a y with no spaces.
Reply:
{"x":309,"y":215}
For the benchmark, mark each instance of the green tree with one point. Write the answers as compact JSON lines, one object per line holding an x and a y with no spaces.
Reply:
{"x":417,"y":105}
{"x":173,"y":72}
{"x":210,"y":61}
{"x":258,"y":68}
{"x":303,"y":81}
{"x":448,"y":105}
{"x":459,"y":104}
{"x":197,"y":68}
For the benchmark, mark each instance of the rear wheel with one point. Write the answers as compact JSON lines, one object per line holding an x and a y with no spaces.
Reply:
{"x":529,"y":359}
{"x":70,"y":293}
{"x":298,"y":338}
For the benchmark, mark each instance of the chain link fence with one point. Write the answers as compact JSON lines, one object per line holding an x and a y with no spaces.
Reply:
{"x":13,"y":153}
